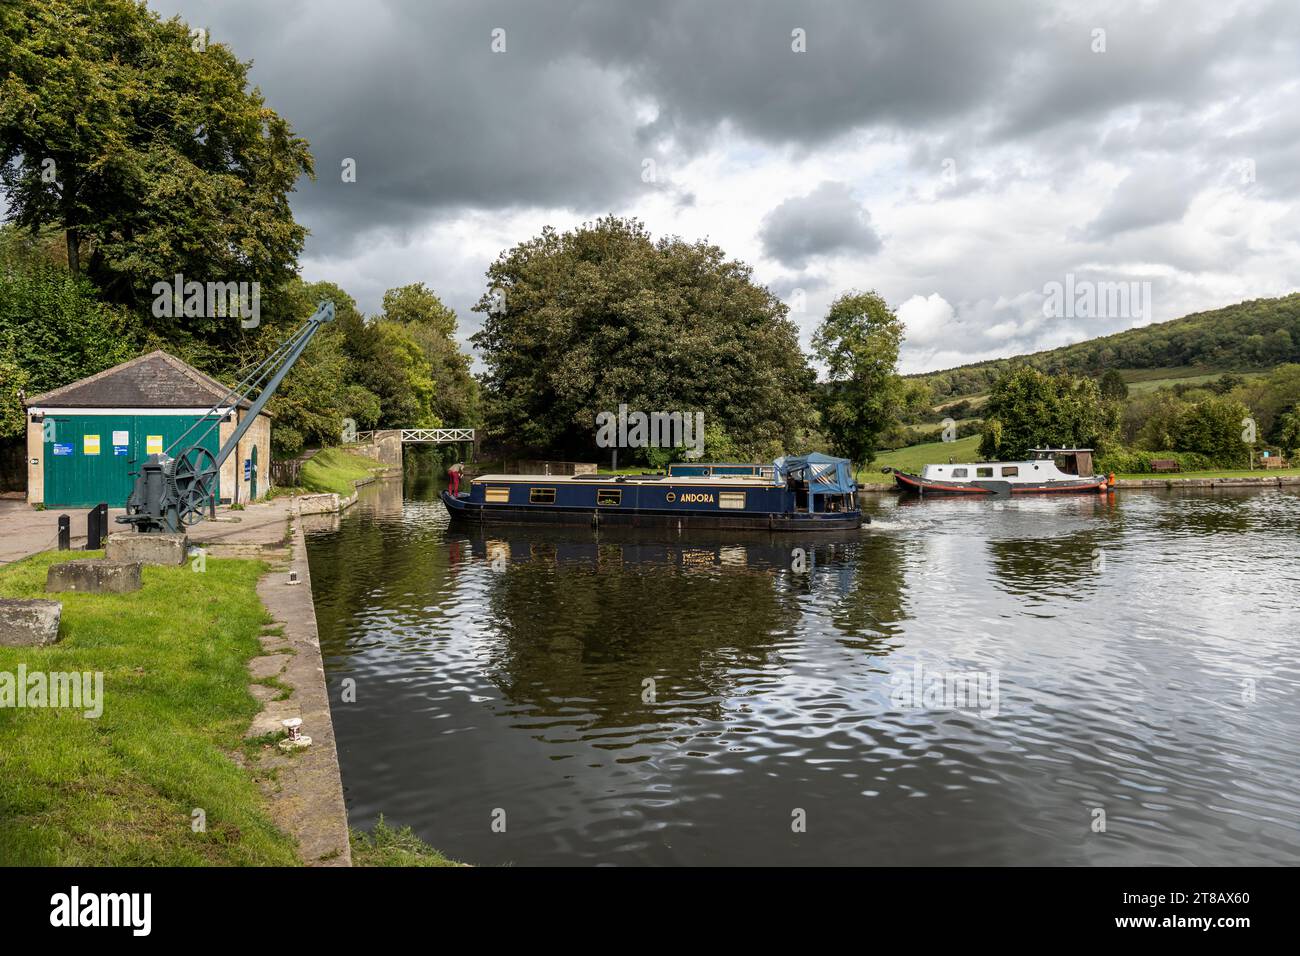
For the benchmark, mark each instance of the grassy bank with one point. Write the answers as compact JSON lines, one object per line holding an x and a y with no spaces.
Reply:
{"x":384,"y":846}
{"x":333,"y":469}
{"x":123,"y":789}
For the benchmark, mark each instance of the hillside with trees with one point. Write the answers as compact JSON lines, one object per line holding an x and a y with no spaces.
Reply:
{"x":1257,"y":334}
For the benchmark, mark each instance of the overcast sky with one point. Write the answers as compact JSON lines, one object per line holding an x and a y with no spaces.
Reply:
{"x":957,"y":156}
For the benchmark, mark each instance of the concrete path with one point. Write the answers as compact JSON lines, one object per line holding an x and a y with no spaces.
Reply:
{"x":306,"y":789}
{"x":25,"y":531}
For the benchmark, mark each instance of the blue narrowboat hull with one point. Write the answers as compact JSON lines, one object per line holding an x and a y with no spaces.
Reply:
{"x":644,"y":514}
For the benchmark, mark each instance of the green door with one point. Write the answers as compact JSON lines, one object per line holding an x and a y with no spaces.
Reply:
{"x":89,"y":458}
{"x":252,"y":477}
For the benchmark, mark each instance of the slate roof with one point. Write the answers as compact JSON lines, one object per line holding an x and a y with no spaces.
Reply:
{"x":156,"y":380}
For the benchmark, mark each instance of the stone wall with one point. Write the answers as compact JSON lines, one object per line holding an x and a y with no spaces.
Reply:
{"x":385,"y":447}
{"x":232,"y":471}
{"x":35,"y":453}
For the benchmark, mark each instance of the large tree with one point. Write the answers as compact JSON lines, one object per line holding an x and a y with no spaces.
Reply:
{"x":859,"y":341}
{"x":580,"y":322}
{"x":1029,"y":409}
{"x":143,"y":142}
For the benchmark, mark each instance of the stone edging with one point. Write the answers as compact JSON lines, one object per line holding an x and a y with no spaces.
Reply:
{"x":306,"y":795}
{"x":1240,"y":482}
{"x":1156,"y":484}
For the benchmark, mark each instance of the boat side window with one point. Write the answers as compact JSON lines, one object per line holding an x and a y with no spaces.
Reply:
{"x":609,"y":496}
{"x":497,"y":494}
{"x":959,"y":473}
{"x":983,"y":472}
{"x":542,"y":496}
{"x":731,"y":499}
{"x":1010,"y":472}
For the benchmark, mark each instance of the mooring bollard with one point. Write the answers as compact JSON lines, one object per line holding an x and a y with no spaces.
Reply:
{"x":296,"y":738}
{"x":65,"y":533}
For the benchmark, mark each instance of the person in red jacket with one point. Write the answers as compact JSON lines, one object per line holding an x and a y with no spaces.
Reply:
{"x":453,"y":477}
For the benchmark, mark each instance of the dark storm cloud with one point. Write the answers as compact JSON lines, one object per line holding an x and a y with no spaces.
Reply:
{"x":588,"y":89}
{"x":828,"y":221}
{"x":584,"y":92}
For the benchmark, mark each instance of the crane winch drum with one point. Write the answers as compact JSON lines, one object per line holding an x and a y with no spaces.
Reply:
{"x":173,"y":493}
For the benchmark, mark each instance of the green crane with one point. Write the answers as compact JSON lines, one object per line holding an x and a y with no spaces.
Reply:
{"x":172,"y":493}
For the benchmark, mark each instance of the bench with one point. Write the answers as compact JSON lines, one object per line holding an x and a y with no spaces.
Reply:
{"x":1165,"y":464}
{"x":1273,"y":461}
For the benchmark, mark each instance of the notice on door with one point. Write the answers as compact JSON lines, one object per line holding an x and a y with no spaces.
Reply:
{"x":153,"y":444}
{"x":90,"y":445}
{"x":121,"y":438}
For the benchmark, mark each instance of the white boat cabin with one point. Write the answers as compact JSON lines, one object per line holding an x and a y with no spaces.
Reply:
{"x":1045,"y":465}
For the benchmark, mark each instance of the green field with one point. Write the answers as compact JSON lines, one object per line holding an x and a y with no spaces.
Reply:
{"x":1138,"y":380}
{"x":1143,"y":380}
{"x":125,"y":788}
{"x":914,"y":457}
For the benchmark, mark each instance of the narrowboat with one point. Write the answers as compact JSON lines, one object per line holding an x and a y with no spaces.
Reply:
{"x":806,"y":493}
{"x":1046,"y":471}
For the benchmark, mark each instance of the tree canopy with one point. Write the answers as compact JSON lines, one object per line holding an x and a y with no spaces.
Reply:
{"x":142,"y":141}
{"x":1030,"y":409}
{"x":582,"y":321}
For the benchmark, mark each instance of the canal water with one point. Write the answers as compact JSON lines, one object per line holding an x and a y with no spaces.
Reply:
{"x":1071,"y":680}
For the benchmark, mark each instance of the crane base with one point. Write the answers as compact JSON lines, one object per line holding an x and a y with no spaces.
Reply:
{"x":161,"y":548}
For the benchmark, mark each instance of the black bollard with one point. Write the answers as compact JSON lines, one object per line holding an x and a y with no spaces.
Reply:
{"x":96,"y":527}
{"x":93,"y":531}
{"x":65,"y":533}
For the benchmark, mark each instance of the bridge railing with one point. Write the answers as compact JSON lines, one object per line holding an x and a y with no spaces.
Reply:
{"x":435,"y":436}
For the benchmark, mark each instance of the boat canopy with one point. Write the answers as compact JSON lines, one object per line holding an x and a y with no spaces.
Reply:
{"x":825,"y":475}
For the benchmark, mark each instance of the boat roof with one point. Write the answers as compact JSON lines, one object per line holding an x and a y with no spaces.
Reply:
{"x":755,"y":481}
{"x":966,"y":464}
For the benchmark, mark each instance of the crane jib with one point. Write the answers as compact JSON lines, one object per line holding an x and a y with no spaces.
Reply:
{"x":173,"y":492}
